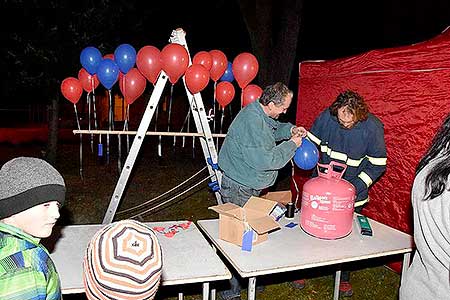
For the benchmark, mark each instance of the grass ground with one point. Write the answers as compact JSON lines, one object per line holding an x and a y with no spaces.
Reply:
{"x":88,"y":198}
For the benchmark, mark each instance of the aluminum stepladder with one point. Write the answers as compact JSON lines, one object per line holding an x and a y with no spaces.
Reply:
{"x":206,"y":140}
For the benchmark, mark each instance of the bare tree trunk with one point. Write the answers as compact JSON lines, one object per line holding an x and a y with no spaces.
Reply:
{"x":52,"y":144}
{"x":273,"y":26}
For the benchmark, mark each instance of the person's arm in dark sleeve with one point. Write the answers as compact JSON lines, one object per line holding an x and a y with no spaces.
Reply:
{"x":376,"y":160}
{"x":315,"y":133}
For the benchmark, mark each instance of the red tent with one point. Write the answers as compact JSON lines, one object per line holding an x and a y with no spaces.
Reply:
{"x":408,"y":88}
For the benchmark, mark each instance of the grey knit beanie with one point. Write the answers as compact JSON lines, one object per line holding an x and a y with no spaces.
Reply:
{"x":26,"y":182}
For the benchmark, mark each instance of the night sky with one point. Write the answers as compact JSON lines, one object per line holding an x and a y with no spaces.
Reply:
{"x":330,"y":29}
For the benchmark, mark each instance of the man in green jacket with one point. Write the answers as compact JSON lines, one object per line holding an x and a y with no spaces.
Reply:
{"x":251,"y":156}
{"x":255,"y":148}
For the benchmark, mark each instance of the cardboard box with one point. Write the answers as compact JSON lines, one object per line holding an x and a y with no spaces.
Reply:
{"x":283,"y":197}
{"x":235,"y":220}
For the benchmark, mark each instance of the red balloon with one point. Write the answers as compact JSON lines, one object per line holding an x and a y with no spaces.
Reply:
{"x":197,"y":78}
{"x":250,"y":93}
{"x":219,"y":64}
{"x":174,"y":61}
{"x":110,"y":56}
{"x":224,"y":93}
{"x":132,"y":85}
{"x":88,"y":81}
{"x":203,"y":58}
{"x":71,"y":89}
{"x":148,"y":61}
{"x":245,"y":67}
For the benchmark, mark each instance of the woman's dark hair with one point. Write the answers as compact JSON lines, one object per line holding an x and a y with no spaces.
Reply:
{"x":354,"y":102}
{"x":275,"y":93}
{"x":436,"y":180}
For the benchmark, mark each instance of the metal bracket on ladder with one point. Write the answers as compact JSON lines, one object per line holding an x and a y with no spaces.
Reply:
{"x":201,"y":122}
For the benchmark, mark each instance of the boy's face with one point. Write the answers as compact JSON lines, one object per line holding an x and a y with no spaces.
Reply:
{"x":39,"y":220}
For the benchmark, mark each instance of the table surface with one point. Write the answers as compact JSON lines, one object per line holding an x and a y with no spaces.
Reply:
{"x":289,"y":249}
{"x":187,"y":256}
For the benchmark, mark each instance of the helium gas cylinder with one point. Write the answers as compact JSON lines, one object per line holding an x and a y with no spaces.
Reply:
{"x":328,"y":203}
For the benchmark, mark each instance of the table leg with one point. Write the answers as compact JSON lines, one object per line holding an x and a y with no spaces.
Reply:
{"x":205,"y":290}
{"x":405,"y":265}
{"x":251,"y":288}
{"x":213,"y":294}
{"x":180,"y":296}
{"x":337,"y":281}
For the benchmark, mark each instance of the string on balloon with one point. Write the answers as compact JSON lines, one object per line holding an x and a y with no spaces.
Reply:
{"x":169,"y":116}
{"x":81,"y":141}
{"x":156,"y":130}
{"x":214,"y":111}
{"x":187,"y":122}
{"x":221,"y":125}
{"x":297,"y":191}
{"x":88,"y":101}
{"x":110,"y":127}
{"x":125,"y":125}
{"x":72,"y":90}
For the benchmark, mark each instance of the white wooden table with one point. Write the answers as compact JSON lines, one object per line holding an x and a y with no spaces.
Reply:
{"x":187,"y":256}
{"x":302,"y":251}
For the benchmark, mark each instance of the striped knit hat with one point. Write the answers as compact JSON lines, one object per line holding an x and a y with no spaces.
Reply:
{"x":123,"y":261}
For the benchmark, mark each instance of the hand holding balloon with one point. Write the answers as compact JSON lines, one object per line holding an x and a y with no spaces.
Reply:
{"x":307,"y":155}
{"x":299,"y":131}
{"x":297,"y":140}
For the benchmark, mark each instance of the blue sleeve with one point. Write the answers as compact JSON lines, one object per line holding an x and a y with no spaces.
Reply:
{"x":316,"y":131}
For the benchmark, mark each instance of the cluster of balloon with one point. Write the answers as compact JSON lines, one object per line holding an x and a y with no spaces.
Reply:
{"x":71,"y":89}
{"x":203,"y":58}
{"x":197,"y":78}
{"x":88,"y":82}
{"x":245,"y":68}
{"x":250,"y":93}
{"x":125,"y":57}
{"x":228,"y":74}
{"x":174,"y":62}
{"x":219,"y":64}
{"x":148,"y":62}
{"x":132,"y":85}
{"x":224,"y":93}
{"x":306,"y":156}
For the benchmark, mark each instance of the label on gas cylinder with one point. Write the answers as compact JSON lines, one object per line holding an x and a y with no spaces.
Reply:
{"x":329,"y":227}
{"x":341,"y":204}
{"x":312,"y":224}
{"x":316,"y":218}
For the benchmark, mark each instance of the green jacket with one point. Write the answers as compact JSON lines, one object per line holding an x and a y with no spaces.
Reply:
{"x":26,"y":269}
{"x":250,"y":154}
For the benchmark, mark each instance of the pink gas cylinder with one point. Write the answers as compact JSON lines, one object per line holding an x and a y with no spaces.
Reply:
{"x":328,"y":203}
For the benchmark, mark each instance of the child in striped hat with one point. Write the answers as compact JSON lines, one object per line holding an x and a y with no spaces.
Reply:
{"x":123,"y":260}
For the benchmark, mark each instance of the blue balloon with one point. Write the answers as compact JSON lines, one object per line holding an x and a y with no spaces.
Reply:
{"x":90,"y":58}
{"x":125,"y":57}
{"x":228,"y":75}
{"x":306,"y":156}
{"x":107,"y":73}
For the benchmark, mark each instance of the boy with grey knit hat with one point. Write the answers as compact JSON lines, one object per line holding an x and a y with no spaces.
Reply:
{"x":31,"y":193}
